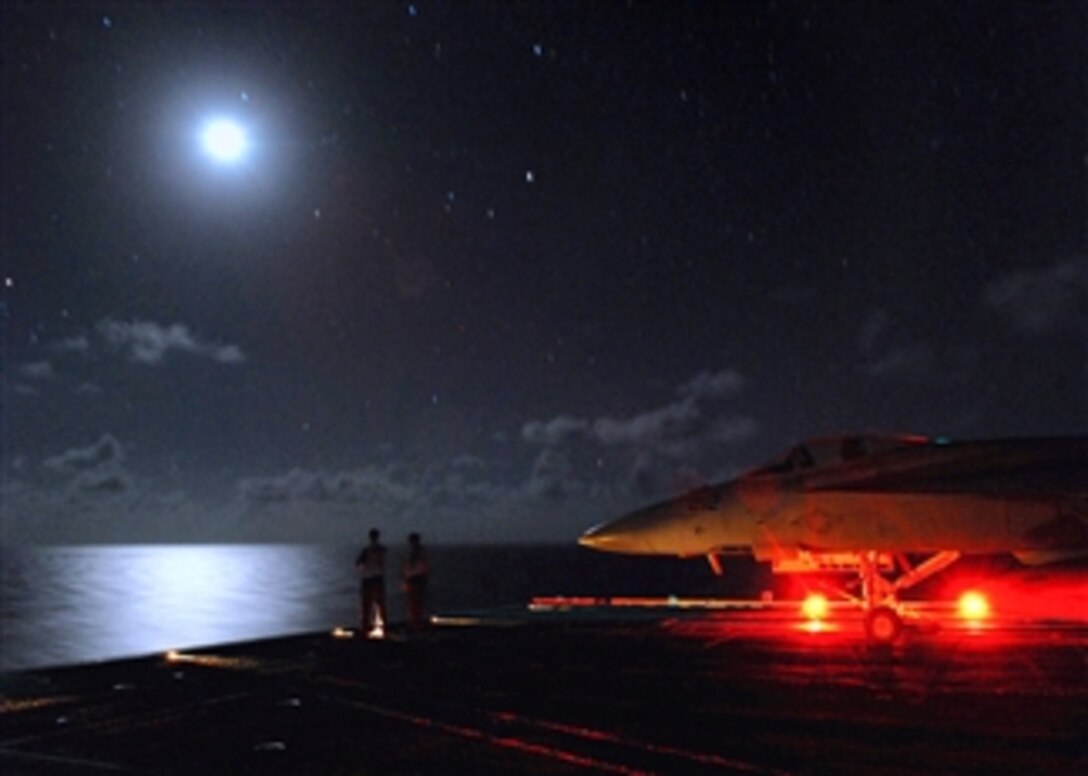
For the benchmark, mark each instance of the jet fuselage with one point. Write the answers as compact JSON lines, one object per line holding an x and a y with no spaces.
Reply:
{"x":861,"y":494}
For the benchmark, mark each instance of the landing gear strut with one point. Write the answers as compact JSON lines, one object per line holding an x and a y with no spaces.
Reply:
{"x":883,"y":576}
{"x":880,"y":596}
{"x":882,"y":622}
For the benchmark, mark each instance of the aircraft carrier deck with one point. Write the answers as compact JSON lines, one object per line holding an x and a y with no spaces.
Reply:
{"x":571,"y":689}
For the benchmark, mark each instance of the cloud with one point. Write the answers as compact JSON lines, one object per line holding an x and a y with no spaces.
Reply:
{"x":659,"y":450}
{"x":677,"y":419}
{"x":79,"y":344}
{"x":107,"y":451}
{"x":681,"y":427}
{"x":228,"y":354}
{"x":394,"y":489}
{"x":38,"y":370}
{"x":90,"y":474}
{"x":374,"y":485}
{"x":102,"y":482}
{"x":713,"y":385}
{"x":572,"y":480}
{"x":103,"y":503}
{"x":148,"y":343}
{"x":649,"y":428}
{"x":553,"y":476}
{"x":561,"y":429}
{"x":1043,"y":301}
{"x":464,"y":500}
{"x":86,"y":491}
{"x":142,"y":342}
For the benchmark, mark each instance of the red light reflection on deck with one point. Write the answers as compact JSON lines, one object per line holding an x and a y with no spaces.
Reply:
{"x":593,"y":734}
{"x":998,"y":607}
{"x":816,"y":626}
{"x":485,"y":737}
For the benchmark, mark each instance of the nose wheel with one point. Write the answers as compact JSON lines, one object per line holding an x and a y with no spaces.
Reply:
{"x":883,"y":625}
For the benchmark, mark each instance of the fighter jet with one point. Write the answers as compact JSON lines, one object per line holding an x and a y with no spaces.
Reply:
{"x":892,"y":511}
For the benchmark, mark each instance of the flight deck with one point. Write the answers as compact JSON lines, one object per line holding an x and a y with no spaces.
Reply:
{"x":574,"y":685}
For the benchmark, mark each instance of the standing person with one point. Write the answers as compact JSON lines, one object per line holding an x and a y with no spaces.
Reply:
{"x":370,"y":565}
{"x":414,"y":576}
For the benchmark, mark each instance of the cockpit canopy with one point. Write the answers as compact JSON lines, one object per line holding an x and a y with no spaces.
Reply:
{"x":832,"y":451}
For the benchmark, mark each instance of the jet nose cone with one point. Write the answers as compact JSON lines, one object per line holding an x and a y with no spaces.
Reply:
{"x":614,"y":537}
{"x":596,"y":537}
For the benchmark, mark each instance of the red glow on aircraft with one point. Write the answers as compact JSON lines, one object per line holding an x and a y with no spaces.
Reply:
{"x":1059,"y":596}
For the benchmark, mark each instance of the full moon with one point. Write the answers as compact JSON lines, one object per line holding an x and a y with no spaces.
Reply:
{"x":224,"y":140}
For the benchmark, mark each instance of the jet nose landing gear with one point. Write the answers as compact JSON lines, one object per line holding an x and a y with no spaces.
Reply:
{"x":880,"y":596}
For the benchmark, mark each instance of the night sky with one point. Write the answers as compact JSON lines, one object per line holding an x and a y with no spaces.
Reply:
{"x":502,"y":271}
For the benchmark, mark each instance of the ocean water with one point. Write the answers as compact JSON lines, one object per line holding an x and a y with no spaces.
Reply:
{"x":64,"y":605}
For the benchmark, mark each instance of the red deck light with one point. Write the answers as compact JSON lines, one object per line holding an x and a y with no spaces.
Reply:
{"x":974,"y":607}
{"x":814,"y":607}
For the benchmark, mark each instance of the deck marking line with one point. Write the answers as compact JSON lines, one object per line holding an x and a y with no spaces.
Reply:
{"x":506,"y":742}
{"x":15,"y":754}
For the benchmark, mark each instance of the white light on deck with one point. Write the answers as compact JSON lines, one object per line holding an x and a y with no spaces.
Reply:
{"x":377,"y":631}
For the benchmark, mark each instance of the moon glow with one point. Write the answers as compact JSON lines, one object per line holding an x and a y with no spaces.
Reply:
{"x":224,"y":140}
